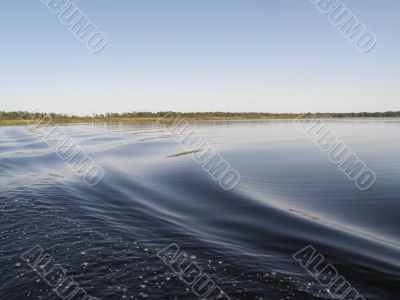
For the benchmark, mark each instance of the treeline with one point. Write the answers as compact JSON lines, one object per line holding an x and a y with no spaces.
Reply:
{"x":21,"y":115}
{"x":256,"y":115}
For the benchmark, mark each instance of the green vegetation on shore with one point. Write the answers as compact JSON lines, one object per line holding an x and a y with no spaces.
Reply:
{"x":25,"y":118}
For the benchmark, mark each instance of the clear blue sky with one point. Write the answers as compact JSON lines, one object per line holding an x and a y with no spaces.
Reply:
{"x":204,"y":55}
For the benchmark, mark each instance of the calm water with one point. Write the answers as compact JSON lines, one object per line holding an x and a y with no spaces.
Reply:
{"x":290,"y":195}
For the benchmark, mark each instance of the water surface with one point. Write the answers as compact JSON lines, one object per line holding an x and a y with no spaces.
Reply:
{"x":290,"y":195}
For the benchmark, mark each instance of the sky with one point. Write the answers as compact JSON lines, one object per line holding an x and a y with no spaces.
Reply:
{"x":205,"y":55}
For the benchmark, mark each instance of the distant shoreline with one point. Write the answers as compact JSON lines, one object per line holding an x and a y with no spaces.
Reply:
{"x":26,"y":118}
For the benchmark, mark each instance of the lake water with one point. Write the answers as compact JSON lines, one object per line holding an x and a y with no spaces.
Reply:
{"x":289,"y":196}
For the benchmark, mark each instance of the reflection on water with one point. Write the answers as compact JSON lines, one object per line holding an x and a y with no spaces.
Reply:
{"x":153,"y":194}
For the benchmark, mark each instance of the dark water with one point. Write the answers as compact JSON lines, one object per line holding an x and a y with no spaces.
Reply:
{"x":290,"y":195}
